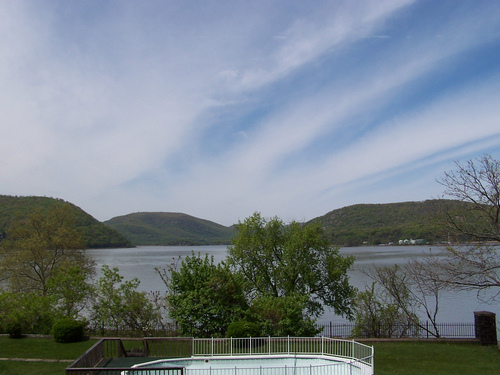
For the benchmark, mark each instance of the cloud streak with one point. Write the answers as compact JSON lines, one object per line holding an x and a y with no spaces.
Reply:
{"x":220,"y":111}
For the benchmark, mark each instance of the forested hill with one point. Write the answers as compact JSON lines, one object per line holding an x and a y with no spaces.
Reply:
{"x":95,"y":233}
{"x":361,"y":224}
{"x":170,"y":229}
{"x":374,"y":224}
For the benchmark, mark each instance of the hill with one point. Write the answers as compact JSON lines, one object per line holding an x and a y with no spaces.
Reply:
{"x":95,"y":233}
{"x":374,"y":224}
{"x":170,"y":229}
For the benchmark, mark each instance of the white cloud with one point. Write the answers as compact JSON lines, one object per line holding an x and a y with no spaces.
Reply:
{"x":219,"y":111}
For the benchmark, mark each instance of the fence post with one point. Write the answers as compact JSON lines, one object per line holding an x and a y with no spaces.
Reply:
{"x":485,"y":327}
{"x":145,"y":343}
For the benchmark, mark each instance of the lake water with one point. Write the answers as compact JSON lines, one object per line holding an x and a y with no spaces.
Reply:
{"x":140,"y":262}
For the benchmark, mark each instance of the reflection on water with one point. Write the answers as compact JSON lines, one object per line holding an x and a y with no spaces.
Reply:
{"x":140,"y":262}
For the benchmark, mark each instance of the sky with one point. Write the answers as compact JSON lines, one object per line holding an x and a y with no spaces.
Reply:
{"x":219,"y":109}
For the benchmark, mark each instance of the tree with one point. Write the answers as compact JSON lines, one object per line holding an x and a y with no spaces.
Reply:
{"x":379,"y":315}
{"x":279,"y":260}
{"x":473,"y":266}
{"x":70,"y":291}
{"x":25,"y":313}
{"x":203,"y":298}
{"x":408,"y":289}
{"x":119,"y":305}
{"x":38,"y":246}
{"x":283,"y":316}
{"x":477,"y":185}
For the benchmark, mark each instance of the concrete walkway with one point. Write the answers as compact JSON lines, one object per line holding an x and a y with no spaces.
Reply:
{"x":37,"y":360}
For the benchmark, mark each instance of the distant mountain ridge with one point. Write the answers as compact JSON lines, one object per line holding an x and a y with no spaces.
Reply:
{"x":356,"y":225}
{"x":95,"y":234}
{"x":170,"y":229}
{"x":375,"y":224}
{"x":361,"y":224}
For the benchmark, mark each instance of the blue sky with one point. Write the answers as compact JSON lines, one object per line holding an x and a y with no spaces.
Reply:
{"x":219,"y":109}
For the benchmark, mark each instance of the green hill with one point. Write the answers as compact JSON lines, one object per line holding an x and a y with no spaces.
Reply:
{"x":170,"y":229}
{"x":373,"y":224}
{"x":361,"y":224}
{"x":95,"y":233}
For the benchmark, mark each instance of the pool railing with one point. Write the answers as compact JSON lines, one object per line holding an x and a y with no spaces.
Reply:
{"x":96,"y":359}
{"x":347,"y":349}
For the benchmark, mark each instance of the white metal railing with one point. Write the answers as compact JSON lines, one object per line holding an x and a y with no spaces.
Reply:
{"x":338,"y":368}
{"x":346,"y":349}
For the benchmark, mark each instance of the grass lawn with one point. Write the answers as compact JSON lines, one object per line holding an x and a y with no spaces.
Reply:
{"x":32,"y":368}
{"x":38,"y":348}
{"x":410,"y":358}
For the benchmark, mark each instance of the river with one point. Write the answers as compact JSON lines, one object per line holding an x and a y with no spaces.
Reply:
{"x":140,"y":262}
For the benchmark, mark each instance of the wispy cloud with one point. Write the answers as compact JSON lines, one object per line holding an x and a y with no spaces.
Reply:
{"x":219,"y":111}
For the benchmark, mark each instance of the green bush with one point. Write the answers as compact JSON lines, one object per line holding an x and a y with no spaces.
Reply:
{"x":14,"y":328}
{"x":242,"y":328}
{"x":68,"y":330}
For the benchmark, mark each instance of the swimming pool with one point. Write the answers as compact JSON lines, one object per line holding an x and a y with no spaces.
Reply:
{"x":256,"y":365}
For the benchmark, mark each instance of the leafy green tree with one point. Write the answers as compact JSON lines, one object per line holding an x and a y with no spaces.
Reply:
{"x":38,"y":246}
{"x":26,"y":313}
{"x":44,"y":269}
{"x":70,"y":290}
{"x":279,"y":260}
{"x":119,"y":305}
{"x":283,"y":316}
{"x":203,"y":298}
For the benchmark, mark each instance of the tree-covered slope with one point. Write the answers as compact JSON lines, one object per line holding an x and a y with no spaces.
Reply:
{"x":167,"y":228}
{"x":95,"y":233}
{"x":374,"y":224}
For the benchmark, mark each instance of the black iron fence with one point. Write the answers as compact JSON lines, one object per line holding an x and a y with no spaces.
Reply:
{"x":342,"y":330}
{"x":421,"y":330}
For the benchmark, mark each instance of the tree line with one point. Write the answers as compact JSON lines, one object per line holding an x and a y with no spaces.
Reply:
{"x":276,"y":279}
{"x":94,"y":233}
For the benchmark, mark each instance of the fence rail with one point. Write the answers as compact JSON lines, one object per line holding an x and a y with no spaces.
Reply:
{"x":126,"y":371}
{"x":283,"y":345}
{"x":345,"y":330}
{"x":354,"y":354}
{"x":425,"y":330}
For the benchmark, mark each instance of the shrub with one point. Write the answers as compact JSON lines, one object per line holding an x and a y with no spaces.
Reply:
{"x":242,"y":329}
{"x":68,"y":330}
{"x":14,"y":328}
{"x":25,"y":311}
